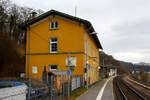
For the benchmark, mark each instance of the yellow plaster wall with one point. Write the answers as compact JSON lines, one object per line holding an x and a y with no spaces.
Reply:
{"x":71,"y":38}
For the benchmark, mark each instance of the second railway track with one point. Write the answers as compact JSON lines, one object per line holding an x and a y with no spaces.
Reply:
{"x":123,"y":91}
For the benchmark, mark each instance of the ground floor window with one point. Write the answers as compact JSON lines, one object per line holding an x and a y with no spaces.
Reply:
{"x":53,"y":67}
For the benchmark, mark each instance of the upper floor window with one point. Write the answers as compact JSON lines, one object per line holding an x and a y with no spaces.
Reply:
{"x":53,"y":45}
{"x":53,"y":25}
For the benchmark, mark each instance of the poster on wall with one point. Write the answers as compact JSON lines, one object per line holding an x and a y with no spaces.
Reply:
{"x":34,"y":70}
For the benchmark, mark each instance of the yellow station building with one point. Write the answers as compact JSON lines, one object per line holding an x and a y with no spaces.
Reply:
{"x":53,"y":37}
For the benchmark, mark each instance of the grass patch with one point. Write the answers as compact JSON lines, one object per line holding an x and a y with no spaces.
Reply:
{"x":76,"y":93}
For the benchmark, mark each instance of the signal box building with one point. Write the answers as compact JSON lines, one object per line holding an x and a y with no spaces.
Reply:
{"x":54,"y":37}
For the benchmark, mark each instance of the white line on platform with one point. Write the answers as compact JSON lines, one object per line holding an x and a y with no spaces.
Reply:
{"x":99,"y":97}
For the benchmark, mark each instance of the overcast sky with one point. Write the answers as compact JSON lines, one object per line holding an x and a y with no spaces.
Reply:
{"x":123,"y":25}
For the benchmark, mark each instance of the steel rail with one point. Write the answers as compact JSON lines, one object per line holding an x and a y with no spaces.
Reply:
{"x":118,"y":81}
{"x":133,"y":90}
{"x":122,"y":93}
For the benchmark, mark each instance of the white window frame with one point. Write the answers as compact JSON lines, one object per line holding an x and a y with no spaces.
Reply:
{"x":51,"y":42}
{"x":54,"y":25}
{"x":49,"y":67}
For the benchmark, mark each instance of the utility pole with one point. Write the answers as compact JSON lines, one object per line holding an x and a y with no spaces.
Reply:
{"x":103,"y":66}
{"x":86,"y":64}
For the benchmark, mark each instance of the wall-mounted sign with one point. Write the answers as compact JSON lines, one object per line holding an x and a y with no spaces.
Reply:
{"x":34,"y":70}
{"x":71,"y":61}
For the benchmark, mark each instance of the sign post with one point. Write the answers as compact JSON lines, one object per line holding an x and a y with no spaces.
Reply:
{"x":70,"y":63}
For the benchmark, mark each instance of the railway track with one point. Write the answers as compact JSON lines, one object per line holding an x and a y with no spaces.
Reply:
{"x":123,"y":91}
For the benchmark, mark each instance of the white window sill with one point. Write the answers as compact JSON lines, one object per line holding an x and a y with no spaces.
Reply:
{"x":53,"y":28}
{"x":53,"y":52}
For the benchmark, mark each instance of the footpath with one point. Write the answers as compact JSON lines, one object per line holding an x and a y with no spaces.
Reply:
{"x":102,"y":90}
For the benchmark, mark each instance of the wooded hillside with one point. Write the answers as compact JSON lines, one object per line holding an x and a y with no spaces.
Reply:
{"x":12,"y":37}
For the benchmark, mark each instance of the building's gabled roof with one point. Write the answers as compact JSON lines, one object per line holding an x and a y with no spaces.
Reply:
{"x":86,"y":23}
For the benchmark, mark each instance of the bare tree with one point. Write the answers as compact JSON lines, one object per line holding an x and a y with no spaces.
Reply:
{"x":12,"y":18}
{"x":3,"y":16}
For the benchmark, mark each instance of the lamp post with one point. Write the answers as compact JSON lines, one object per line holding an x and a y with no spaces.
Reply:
{"x":103,"y":67}
{"x":86,"y":63}
{"x":99,"y":71}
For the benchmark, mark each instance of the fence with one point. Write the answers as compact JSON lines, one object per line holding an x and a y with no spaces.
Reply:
{"x":58,"y":87}
{"x":76,"y":82}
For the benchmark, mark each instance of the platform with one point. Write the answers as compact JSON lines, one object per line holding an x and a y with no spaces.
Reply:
{"x":108,"y":91}
{"x":102,"y":90}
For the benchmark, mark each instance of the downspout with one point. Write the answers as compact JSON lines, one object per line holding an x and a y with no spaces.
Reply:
{"x":28,"y":56}
{"x":85,"y":58}
{"x":28,"y":51}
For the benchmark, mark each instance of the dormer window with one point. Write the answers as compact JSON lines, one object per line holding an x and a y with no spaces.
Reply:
{"x":53,"y":25}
